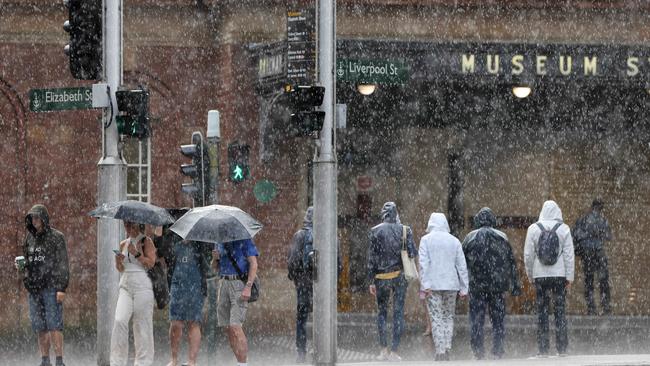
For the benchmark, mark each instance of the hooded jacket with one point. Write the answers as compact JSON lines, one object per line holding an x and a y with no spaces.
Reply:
{"x":297,"y":272}
{"x":385,"y":243}
{"x":590,"y":232}
{"x":45,"y":254}
{"x":565,"y":265}
{"x":442,"y":262}
{"x":490,"y":261}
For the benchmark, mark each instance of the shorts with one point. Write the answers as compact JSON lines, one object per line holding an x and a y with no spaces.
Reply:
{"x":186,"y":305}
{"x":45,"y":313}
{"x":231,"y":310}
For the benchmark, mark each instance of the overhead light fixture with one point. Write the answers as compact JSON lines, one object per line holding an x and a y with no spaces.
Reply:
{"x":521,"y":92}
{"x":366,"y":89}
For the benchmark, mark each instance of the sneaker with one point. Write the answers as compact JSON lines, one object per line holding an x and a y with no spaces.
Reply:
{"x":383,"y":355}
{"x":394,"y":357}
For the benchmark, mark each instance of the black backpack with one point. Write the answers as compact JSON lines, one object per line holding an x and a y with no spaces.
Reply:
{"x":548,"y":245}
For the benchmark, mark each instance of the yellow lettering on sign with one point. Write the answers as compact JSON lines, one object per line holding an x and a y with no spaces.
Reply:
{"x":565,"y":65}
{"x":467,"y":64}
{"x":590,"y":65}
{"x":517,"y":64}
{"x":632,"y":66}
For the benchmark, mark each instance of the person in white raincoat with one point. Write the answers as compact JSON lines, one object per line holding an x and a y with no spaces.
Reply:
{"x":443,"y":275}
{"x":550,"y":280}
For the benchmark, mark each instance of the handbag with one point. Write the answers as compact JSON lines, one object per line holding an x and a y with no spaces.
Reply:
{"x":410,"y":269}
{"x":159,"y":284}
{"x":255,"y":289}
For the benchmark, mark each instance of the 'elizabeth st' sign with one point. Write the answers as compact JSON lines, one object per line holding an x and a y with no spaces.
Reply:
{"x":59,"y":99}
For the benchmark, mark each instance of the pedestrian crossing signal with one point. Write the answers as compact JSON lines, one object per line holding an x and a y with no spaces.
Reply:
{"x":238,"y":167}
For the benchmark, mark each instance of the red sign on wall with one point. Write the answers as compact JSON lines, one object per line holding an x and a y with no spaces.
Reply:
{"x":364,"y":183}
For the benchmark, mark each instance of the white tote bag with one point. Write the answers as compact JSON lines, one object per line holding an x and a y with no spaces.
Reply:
{"x":410,"y":269}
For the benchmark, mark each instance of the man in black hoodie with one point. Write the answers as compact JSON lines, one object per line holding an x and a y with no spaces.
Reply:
{"x":492,"y":272}
{"x":46,"y":278}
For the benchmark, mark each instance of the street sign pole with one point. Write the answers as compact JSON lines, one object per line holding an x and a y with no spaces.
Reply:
{"x":111,"y":182}
{"x":325,"y":211}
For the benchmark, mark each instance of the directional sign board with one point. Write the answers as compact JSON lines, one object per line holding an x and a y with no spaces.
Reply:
{"x":372,"y":71}
{"x":301,"y":46}
{"x":60,"y":99}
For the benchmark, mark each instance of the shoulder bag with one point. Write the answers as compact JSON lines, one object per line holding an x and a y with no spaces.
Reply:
{"x":255,"y":289}
{"x":410,"y":269}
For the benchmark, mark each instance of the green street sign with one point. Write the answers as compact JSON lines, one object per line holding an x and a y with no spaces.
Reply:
{"x":265,"y":191}
{"x":60,"y":99}
{"x":372,"y":71}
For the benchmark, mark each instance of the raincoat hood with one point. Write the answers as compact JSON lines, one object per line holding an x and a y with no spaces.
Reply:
{"x":308,"y":221}
{"x":485,"y":218}
{"x":389,"y":212}
{"x":437,"y":222}
{"x":550,"y":211}
{"x":40,"y":211}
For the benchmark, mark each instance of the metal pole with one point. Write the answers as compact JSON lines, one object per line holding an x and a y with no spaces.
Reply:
{"x":111,"y":183}
{"x":325,"y":211}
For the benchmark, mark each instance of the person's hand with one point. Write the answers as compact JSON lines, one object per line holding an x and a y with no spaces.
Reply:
{"x":60,"y":296}
{"x":119,"y":258}
{"x":373,"y":290}
{"x":462,"y":295}
{"x":246,"y":293}
{"x":568,"y":285}
{"x":428,"y":292}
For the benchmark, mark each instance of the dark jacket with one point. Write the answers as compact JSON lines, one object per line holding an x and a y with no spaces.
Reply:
{"x":297,"y":271}
{"x":165,"y":246}
{"x":490,"y":261}
{"x":384,"y":250}
{"x":45,"y":254}
{"x":590,"y":232}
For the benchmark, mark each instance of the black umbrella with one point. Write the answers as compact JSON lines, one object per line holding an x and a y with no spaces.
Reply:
{"x":133,"y":211}
{"x":216,"y":224}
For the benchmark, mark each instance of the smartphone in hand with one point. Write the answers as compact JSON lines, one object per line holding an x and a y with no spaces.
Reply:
{"x":117,"y":252}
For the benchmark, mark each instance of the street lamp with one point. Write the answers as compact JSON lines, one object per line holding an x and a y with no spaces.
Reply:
{"x":366,"y":89}
{"x":521,"y":92}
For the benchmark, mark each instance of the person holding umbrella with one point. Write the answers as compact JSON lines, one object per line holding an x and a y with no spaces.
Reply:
{"x":136,"y":255}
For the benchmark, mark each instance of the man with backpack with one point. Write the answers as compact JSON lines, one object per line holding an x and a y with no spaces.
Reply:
{"x":549,"y":261}
{"x":590,"y":233}
{"x":301,"y":264}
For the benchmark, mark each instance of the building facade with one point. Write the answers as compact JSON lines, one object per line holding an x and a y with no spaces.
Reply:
{"x":441,"y":132}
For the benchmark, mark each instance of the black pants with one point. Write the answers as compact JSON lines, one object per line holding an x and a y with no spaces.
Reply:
{"x":596,"y":262}
{"x":495,"y":303}
{"x":304,"y":294}
{"x":547,"y":288}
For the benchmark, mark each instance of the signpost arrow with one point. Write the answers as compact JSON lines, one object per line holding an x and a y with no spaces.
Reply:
{"x":60,"y":99}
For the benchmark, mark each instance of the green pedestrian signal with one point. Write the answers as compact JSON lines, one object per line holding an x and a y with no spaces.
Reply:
{"x":238,"y":162}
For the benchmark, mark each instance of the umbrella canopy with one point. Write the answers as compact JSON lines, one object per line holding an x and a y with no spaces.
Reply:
{"x":133,"y":211}
{"x":216,"y":224}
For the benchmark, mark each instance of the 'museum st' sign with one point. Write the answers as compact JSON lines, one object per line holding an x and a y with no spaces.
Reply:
{"x":513,"y":62}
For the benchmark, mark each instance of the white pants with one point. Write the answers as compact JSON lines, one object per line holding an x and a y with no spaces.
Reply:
{"x":442,"y":306}
{"x":135,"y":300}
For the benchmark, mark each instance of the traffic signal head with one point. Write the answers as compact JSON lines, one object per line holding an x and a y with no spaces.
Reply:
{"x":238,"y":168}
{"x":198,"y":170}
{"x":133,"y":113}
{"x":85,"y":48}
{"x":305,"y":121}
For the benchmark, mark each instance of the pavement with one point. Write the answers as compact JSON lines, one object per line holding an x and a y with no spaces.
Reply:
{"x":593,"y":341}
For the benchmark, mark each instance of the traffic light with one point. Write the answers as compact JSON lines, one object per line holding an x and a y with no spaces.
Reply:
{"x":133,"y":113}
{"x":84,"y":25}
{"x":238,"y":169}
{"x":198,"y":170}
{"x":306,"y":121}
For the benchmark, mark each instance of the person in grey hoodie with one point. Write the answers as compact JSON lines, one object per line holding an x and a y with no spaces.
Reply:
{"x":550,"y":280}
{"x":443,"y":275}
{"x":386,"y":275}
{"x":46,"y":277}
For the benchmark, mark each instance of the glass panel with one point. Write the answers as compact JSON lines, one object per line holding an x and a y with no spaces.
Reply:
{"x":132,"y":181}
{"x":145,"y":151}
{"x":144,"y":180}
{"x":130,"y":151}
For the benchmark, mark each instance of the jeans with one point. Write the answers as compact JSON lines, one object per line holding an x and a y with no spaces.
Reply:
{"x":596,"y":262}
{"x":398,"y":287}
{"x":496,"y":305}
{"x":45,"y":312}
{"x":304,"y":295}
{"x":546,"y":288}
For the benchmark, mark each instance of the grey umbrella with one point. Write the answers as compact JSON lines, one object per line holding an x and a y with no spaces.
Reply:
{"x":133,"y":211}
{"x":216,"y":224}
